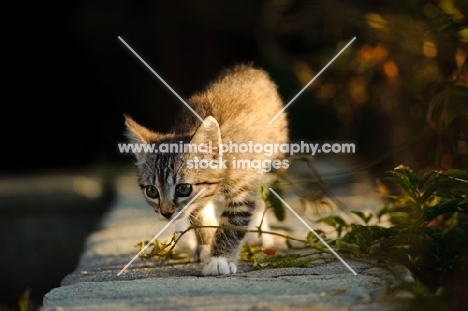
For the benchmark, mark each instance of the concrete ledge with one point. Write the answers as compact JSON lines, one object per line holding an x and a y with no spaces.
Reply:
{"x":145,"y":285}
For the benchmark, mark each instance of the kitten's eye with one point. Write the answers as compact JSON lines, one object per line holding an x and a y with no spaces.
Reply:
{"x":152,"y":192}
{"x":183,"y":190}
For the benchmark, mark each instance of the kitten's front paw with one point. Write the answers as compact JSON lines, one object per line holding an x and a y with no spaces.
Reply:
{"x":219,"y":265}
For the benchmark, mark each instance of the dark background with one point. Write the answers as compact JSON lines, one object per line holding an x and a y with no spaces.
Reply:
{"x":68,"y":80}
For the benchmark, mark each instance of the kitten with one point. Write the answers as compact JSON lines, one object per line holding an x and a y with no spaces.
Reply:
{"x":236,"y":109}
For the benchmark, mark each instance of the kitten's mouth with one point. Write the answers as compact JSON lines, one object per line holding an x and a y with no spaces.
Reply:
{"x":168,"y":212}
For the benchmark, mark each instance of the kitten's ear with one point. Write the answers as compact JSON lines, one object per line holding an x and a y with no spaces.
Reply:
{"x":138,"y":134}
{"x":208,"y":132}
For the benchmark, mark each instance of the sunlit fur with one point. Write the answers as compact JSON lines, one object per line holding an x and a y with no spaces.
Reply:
{"x":236,"y":108}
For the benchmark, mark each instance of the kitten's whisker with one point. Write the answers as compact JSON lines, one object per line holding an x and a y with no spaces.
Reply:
{"x":194,"y":217}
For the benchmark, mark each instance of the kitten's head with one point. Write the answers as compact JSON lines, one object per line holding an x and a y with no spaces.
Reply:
{"x":170,"y":180}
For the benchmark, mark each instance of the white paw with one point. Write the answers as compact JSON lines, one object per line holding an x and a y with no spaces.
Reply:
{"x":219,"y":265}
{"x":265,"y":240}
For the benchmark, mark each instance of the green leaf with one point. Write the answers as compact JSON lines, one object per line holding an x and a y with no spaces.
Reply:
{"x":456,"y":173}
{"x":329,"y":220}
{"x":427,"y":176}
{"x":385,"y":209}
{"x":448,"y":104}
{"x":340,"y":221}
{"x":23,"y":302}
{"x":289,"y":260}
{"x":415,"y":287}
{"x":392,"y":244}
{"x":449,"y":206}
{"x":430,"y":190}
{"x":399,"y":179}
{"x":179,"y":256}
{"x":409,"y":172}
{"x":379,"y":233}
{"x":311,"y":238}
{"x":334,"y":221}
{"x":278,"y":208}
{"x":347,"y":248}
{"x":405,"y":183}
{"x":363,"y":216}
{"x":250,"y":253}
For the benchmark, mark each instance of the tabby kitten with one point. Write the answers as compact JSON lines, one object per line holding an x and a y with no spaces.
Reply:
{"x":236,"y":108}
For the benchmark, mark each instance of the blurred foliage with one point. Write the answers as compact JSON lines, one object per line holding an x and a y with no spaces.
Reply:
{"x":403,"y":82}
{"x":400,"y":92}
{"x":428,"y":235}
{"x":261,"y":257}
{"x":380,"y":93}
{"x":273,"y":202}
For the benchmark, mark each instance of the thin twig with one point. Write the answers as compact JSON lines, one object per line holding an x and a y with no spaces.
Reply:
{"x":174,"y":241}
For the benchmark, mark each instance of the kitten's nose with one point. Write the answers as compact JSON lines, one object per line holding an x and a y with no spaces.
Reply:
{"x":167,"y":215}
{"x":167,"y":210}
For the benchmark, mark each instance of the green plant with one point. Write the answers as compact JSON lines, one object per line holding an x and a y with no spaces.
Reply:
{"x":429,"y":234}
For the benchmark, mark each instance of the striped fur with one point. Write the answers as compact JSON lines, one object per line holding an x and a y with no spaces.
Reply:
{"x":236,"y":108}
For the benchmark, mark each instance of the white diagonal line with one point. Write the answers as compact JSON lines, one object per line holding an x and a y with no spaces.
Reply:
{"x":312,"y":230}
{"x":162,"y":230}
{"x":316,"y":76}
{"x":164,"y":82}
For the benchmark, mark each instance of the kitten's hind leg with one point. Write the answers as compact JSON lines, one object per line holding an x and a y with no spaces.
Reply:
{"x":188,"y":242}
{"x":197,"y":241}
{"x":259,"y":218}
{"x":206,"y":217}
